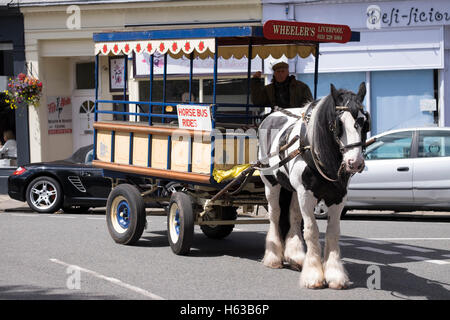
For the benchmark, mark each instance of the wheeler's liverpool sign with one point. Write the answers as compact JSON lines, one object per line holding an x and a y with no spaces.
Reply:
{"x":305,"y":31}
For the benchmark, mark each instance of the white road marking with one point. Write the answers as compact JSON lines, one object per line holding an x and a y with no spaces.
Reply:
{"x":96,"y":219}
{"x":344,"y":244}
{"x":374,"y":241}
{"x":378,"y":250}
{"x":407,"y":239}
{"x":353,"y":260}
{"x":417,"y":258}
{"x":61,"y":217}
{"x":414,"y":248}
{"x":25,"y":215}
{"x":112,"y":280}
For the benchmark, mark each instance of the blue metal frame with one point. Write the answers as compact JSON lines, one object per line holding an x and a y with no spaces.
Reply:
{"x":96,"y":106}
{"x":254,"y":31}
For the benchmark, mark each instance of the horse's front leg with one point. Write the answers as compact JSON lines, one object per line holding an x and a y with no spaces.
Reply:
{"x":294,"y":252}
{"x":335,"y":274}
{"x":273,"y":256}
{"x":312,"y":272}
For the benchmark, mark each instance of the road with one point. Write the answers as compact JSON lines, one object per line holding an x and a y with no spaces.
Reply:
{"x":67,"y":256}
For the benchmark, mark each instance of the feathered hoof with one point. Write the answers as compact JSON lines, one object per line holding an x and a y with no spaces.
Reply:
{"x":272,"y":261}
{"x":337,"y":285}
{"x":311,"y":279}
{"x":314,"y":285}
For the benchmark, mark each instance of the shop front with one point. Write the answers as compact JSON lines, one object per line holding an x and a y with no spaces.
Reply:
{"x":403,"y":56}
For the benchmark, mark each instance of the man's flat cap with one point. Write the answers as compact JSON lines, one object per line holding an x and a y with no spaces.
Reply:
{"x":279,"y":65}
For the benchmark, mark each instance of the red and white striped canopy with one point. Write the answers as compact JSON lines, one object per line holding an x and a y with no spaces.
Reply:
{"x":173,"y":47}
{"x":202,"y":48}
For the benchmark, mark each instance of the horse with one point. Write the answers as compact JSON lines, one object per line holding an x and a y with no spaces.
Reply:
{"x":309,"y":154}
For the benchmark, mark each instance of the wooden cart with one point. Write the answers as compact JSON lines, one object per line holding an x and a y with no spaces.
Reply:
{"x":172,"y":158}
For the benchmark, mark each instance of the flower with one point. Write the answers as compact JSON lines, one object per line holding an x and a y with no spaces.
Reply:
{"x":23,"y":88}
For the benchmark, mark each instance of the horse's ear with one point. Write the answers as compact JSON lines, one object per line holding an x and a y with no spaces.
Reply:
{"x":361,"y":91}
{"x":334,"y":93}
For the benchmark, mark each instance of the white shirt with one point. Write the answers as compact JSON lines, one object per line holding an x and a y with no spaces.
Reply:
{"x":9,"y":149}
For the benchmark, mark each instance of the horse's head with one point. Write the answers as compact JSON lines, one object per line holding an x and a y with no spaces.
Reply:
{"x":350,"y":126}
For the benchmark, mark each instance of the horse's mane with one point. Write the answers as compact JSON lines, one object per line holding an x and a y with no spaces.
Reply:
{"x":323,"y":139}
{"x":324,"y":142}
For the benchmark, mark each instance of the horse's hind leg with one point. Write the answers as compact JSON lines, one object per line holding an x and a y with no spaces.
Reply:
{"x":294,"y":252}
{"x":335,"y":274}
{"x":273,"y":256}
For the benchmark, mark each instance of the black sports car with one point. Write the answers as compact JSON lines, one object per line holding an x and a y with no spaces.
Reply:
{"x":72,"y":184}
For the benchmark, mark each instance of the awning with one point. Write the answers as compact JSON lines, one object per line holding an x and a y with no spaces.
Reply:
{"x":202,"y":48}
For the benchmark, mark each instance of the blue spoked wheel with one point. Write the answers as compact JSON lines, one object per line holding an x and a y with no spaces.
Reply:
{"x":180,"y":223}
{"x":125,"y":214}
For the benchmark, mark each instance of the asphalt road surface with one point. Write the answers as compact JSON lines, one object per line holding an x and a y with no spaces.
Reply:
{"x":67,"y":256}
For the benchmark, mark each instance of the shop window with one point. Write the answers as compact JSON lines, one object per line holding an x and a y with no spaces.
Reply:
{"x":85,"y":75}
{"x":396,"y":99}
{"x":341,"y":80}
{"x":6,"y":67}
{"x":6,"y":63}
{"x":227,"y":91}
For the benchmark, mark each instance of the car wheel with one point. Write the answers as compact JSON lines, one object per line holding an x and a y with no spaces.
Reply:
{"x":44,"y":195}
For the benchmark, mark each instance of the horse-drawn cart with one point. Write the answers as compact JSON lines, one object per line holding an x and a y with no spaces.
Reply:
{"x":179,"y":153}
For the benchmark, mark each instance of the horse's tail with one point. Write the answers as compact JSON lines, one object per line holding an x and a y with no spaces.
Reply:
{"x":285,"y":203}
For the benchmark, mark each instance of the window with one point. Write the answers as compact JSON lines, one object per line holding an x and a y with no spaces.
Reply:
{"x":176,"y":91}
{"x":391,"y":146}
{"x":434,"y":144}
{"x":85,"y":75}
{"x":396,"y":98}
{"x":227,"y":91}
{"x":6,"y":60}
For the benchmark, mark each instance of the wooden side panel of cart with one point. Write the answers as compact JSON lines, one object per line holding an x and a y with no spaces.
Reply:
{"x":168,"y":152}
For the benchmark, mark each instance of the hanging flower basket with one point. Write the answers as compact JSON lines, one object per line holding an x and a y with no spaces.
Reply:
{"x":23,"y":90}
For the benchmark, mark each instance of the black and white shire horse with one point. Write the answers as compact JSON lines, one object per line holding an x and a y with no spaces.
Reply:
{"x":325,"y":140}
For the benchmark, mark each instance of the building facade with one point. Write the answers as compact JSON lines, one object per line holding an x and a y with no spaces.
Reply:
{"x":403,"y":56}
{"x":12,"y":62}
{"x":60,"y":50}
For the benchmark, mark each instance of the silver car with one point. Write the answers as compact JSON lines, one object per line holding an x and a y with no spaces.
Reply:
{"x":406,"y":170}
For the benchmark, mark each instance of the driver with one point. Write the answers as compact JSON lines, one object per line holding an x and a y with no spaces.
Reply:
{"x":285,"y":91}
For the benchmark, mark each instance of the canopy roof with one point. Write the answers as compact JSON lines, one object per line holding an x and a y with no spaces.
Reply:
{"x":202,"y":42}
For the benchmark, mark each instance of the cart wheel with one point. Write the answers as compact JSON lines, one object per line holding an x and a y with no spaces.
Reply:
{"x":221,"y":231}
{"x":180,"y":223}
{"x":125,"y":214}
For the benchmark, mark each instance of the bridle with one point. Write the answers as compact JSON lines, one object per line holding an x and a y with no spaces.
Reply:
{"x":360,"y":122}
{"x":336,"y":129}
{"x":364,"y":123}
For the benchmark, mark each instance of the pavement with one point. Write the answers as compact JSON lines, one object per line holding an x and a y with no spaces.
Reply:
{"x":9,"y":205}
